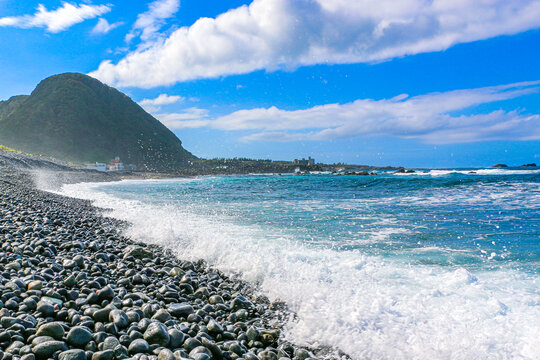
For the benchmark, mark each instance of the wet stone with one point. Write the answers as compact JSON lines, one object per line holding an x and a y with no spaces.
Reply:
{"x":73,"y":354}
{"x":139,"y":346}
{"x":200,"y":356}
{"x":214,"y":327}
{"x":110,"y":343}
{"x":166,"y":354}
{"x":28,"y":357}
{"x":54,"y":330}
{"x":216,"y":299}
{"x":268,"y":355}
{"x":45,"y":308}
{"x":35,"y":285}
{"x":161,"y":315}
{"x":107,"y":293}
{"x":156,"y":333}
{"x":104,"y":355}
{"x":176,"y":338}
{"x":180,"y":310}
{"x":119,"y":318}
{"x":79,"y":336}
{"x":46,"y":349}
{"x":191,"y":343}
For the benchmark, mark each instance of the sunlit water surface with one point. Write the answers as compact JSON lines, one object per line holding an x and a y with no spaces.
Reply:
{"x":441,"y":264}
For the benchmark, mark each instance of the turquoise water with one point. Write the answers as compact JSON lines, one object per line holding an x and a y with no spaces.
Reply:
{"x":436,"y":264}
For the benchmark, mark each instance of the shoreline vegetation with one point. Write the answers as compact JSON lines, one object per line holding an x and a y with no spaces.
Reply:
{"x":72,"y":287}
{"x":200,"y":167}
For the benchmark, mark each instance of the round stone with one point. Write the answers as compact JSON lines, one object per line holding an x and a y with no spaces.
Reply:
{"x":41,"y":339}
{"x":139,"y":346}
{"x":179,"y":310}
{"x":107,"y":293}
{"x":103,"y":355}
{"x":252,"y":334}
{"x":35,"y":285}
{"x":200,"y":350}
{"x":74,"y":354}
{"x":161,"y":315}
{"x":214,"y":327}
{"x":201,"y":356}
{"x":110,"y":343}
{"x":46,"y":349}
{"x":176,"y":338}
{"x":79,"y":260}
{"x":191,"y":343}
{"x":28,"y":357}
{"x":53,"y":329}
{"x":45,"y":308}
{"x":250,"y":356}
{"x":216,"y":299}
{"x":79,"y":336}
{"x":156,"y":333}
{"x":267,"y":355}
{"x":166,"y":354}
{"x":119,"y":318}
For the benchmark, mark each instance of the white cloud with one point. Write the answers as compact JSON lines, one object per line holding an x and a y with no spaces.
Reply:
{"x":154,"y":105}
{"x":103,"y":26}
{"x":56,"y":20}
{"x":190,"y":118}
{"x":162,"y":99}
{"x":434,"y":118}
{"x":276,"y":34}
{"x":149,"y":22}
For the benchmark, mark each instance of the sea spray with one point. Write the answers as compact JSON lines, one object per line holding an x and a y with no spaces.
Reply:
{"x":428,"y":287}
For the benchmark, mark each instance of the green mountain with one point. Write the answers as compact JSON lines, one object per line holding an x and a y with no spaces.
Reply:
{"x":7,"y":107}
{"x":77,"y":118}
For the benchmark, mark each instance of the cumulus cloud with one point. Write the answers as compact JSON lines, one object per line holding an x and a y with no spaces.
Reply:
{"x":162,"y":99}
{"x":149,"y":22}
{"x":154,"y":105}
{"x":277,"y":34}
{"x":435,"y":118}
{"x":58,"y":20}
{"x":103,"y":26}
{"x":190,"y":118}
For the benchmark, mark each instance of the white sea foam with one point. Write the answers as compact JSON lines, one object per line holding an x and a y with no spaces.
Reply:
{"x":369,"y":307}
{"x":471,"y":172}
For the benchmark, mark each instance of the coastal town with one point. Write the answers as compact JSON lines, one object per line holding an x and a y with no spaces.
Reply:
{"x":114,"y":165}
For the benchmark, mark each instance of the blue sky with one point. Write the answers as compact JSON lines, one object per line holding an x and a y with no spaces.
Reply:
{"x":416,"y":83}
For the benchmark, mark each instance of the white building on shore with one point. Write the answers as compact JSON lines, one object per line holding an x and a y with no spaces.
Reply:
{"x":115,"y":165}
{"x":97,"y":166}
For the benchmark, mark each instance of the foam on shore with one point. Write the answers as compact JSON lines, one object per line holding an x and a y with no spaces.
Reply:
{"x":368,"y":306}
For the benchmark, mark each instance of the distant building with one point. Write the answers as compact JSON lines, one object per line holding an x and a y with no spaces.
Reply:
{"x":308,"y":162}
{"x":97,"y":166}
{"x":115,"y":165}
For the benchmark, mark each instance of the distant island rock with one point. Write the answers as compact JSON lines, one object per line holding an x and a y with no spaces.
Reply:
{"x":404,"y":171}
{"x":500,"y":166}
{"x":76,"y":118}
{"x":529,"y":165}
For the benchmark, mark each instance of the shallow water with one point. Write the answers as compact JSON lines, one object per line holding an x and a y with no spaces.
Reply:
{"x":436,"y":264}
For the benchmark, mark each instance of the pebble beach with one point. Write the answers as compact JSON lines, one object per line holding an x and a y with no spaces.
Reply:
{"x":72,"y":287}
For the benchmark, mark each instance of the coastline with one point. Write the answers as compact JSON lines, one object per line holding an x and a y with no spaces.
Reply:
{"x":74,"y":288}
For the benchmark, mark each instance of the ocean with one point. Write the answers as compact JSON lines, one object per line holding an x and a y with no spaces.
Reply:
{"x":439,"y":264}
